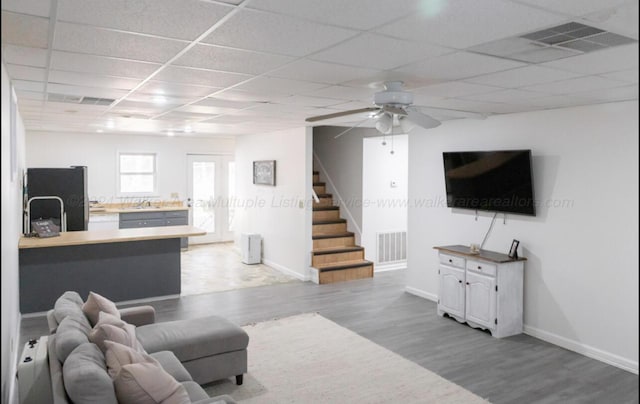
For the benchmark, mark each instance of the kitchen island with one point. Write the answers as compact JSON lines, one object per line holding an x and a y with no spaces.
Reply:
{"x":122,"y":265}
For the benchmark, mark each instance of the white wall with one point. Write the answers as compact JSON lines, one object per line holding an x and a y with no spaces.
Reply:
{"x":384,"y":207}
{"x":99,"y":152}
{"x":275,"y":212}
{"x":581,"y":276}
{"x":11,"y":231}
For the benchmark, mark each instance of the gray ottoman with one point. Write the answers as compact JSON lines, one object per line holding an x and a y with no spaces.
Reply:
{"x":210,"y":348}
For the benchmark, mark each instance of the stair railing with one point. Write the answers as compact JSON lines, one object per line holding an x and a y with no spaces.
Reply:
{"x":314,"y":195}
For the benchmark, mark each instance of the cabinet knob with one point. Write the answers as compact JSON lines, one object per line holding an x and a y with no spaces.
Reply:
{"x":467,"y":283}
{"x":459,"y":280}
{"x":479,"y":267}
{"x":450,"y":260}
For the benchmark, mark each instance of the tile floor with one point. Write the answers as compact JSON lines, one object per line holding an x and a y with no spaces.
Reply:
{"x":217,"y":267}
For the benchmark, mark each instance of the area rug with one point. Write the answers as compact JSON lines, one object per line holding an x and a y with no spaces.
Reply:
{"x":310,"y":359}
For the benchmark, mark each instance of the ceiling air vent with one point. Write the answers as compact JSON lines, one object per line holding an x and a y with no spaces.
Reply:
{"x":78,"y":99}
{"x":553,"y":43}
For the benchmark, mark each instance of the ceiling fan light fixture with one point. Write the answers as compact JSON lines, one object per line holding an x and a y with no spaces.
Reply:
{"x":406,"y":124}
{"x":384,"y":124}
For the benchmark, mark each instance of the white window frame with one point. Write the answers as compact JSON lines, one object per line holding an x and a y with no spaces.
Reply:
{"x":154,"y":174}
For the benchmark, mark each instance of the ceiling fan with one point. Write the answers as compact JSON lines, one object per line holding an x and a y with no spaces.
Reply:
{"x":394,"y":106}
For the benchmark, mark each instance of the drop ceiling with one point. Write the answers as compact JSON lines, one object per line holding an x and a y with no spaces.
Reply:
{"x":220,"y":68}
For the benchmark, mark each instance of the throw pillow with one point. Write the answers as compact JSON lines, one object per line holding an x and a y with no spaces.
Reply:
{"x":85,"y":376}
{"x":122,"y":335}
{"x":147,"y":383}
{"x":106,"y":318}
{"x":69,"y":303}
{"x":95,"y":304}
{"x":117,"y":355}
{"x":72,"y":331}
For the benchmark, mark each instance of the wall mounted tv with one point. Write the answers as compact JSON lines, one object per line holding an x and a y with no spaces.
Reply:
{"x":496,"y":181}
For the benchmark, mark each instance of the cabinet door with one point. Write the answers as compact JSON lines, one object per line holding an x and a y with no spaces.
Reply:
{"x":451,"y":290}
{"x":481,"y":299}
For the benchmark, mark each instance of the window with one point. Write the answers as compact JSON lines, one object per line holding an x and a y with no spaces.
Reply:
{"x":137,"y":173}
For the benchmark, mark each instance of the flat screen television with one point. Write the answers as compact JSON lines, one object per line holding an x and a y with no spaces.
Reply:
{"x":496,"y":181}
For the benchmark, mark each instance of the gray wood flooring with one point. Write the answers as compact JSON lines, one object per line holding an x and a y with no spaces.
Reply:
{"x":519,"y":369}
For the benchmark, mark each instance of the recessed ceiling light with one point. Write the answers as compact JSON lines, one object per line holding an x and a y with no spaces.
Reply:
{"x":188,"y":129}
{"x":159,"y":99}
{"x":170,"y":133}
{"x":111,"y":124}
{"x":99,"y":130}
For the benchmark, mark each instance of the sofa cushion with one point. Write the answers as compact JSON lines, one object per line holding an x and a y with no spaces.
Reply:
{"x":118,"y":355}
{"x":125,"y":335}
{"x":72,"y":331}
{"x":147,"y":383}
{"x":69,"y":303}
{"x":194,"y":338}
{"x":85,"y":376}
{"x":172,"y":365}
{"x":195,"y":392}
{"x":95,"y":304}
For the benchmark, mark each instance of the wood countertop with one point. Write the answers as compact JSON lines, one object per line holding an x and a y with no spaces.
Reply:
{"x":484,"y":255}
{"x":110,"y":236}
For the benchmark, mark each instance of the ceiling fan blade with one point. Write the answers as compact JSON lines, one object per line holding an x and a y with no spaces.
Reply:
{"x":454,"y":113}
{"x":421,"y":119}
{"x":340,"y":114}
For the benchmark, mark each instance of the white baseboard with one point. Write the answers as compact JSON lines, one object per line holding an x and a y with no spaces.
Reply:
{"x":586,"y":350}
{"x":421,"y":293}
{"x":286,"y":270}
{"x":389,"y":267}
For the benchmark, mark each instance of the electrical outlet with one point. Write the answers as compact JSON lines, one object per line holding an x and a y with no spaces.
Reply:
{"x":175,"y":195}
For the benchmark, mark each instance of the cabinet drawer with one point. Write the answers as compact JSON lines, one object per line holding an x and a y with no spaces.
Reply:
{"x":134,"y":224}
{"x":177,"y":213}
{"x":452,"y":260}
{"x":482,"y":267}
{"x":141,"y":215}
{"x":177,"y":221}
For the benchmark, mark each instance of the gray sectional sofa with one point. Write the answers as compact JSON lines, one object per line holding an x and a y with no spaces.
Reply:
{"x":193,"y":352}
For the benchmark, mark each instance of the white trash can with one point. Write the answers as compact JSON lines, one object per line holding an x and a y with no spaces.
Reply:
{"x":251,"y":248}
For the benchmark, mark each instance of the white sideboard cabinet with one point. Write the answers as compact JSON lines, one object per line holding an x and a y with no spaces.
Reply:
{"x":483,"y":289}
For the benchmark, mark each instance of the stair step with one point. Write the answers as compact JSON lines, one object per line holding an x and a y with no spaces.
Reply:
{"x":336,"y":235}
{"x":319,"y":184}
{"x":325,"y":196}
{"x":319,"y":208}
{"x":336,"y":250}
{"x":330,"y":221}
{"x":316,"y":172}
{"x":337,"y":266}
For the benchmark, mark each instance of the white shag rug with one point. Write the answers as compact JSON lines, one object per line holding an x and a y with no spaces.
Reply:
{"x":310,"y":359}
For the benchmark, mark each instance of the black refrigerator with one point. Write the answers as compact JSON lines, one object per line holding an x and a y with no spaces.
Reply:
{"x":69,"y":184}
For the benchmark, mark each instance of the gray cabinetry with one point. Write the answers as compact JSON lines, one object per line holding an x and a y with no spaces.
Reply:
{"x":131,"y":220}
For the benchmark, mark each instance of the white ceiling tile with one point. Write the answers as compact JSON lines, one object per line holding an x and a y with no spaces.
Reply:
{"x":320,"y":72}
{"x":223,"y":103}
{"x":629,"y":92}
{"x":346,"y":106}
{"x":270,"y":85}
{"x":248,"y":96}
{"x":579,"y":84}
{"x":85,"y":91}
{"x":266,"y":32}
{"x":343,"y":93}
{"x":206,"y":110}
{"x":228,"y":119}
{"x":210,"y":78}
{"x":575,"y":8}
{"x":454,"y":89}
{"x":379,"y":52}
{"x":310,"y":101}
{"x":621,"y":19}
{"x":464,"y":23}
{"x":523,"y":76}
{"x":506,"y":46}
{"x":603,"y":61}
{"x":21,"y":55}
{"x":35,"y":86}
{"x":29,"y":95}
{"x":459,"y":65}
{"x":556,"y":101}
{"x":467,"y":105}
{"x":171,"y":89}
{"x":630,"y":76}
{"x":357,"y":14}
{"x":25,"y":30}
{"x":186,"y":19}
{"x":83,"y":63}
{"x":506,"y":96}
{"x":19,"y":72}
{"x":38,"y":8}
{"x":91,"y":80}
{"x":95,"y":41}
{"x":543,"y":54}
{"x":231,"y":60}
{"x":422,"y":99}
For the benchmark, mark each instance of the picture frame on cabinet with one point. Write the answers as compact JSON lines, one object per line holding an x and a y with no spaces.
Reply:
{"x":513,"y":251}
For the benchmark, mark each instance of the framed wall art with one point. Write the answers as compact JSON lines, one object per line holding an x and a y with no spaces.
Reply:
{"x":264,"y":172}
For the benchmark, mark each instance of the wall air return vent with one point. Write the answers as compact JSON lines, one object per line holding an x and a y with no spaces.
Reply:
{"x":553,"y":43}
{"x":78,"y":99}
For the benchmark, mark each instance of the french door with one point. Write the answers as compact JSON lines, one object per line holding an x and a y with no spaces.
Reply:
{"x":211,"y":187}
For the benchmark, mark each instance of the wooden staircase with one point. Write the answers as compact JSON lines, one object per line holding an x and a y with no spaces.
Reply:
{"x":335,"y":255}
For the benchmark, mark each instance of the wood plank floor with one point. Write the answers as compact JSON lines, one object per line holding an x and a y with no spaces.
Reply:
{"x":519,"y":369}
